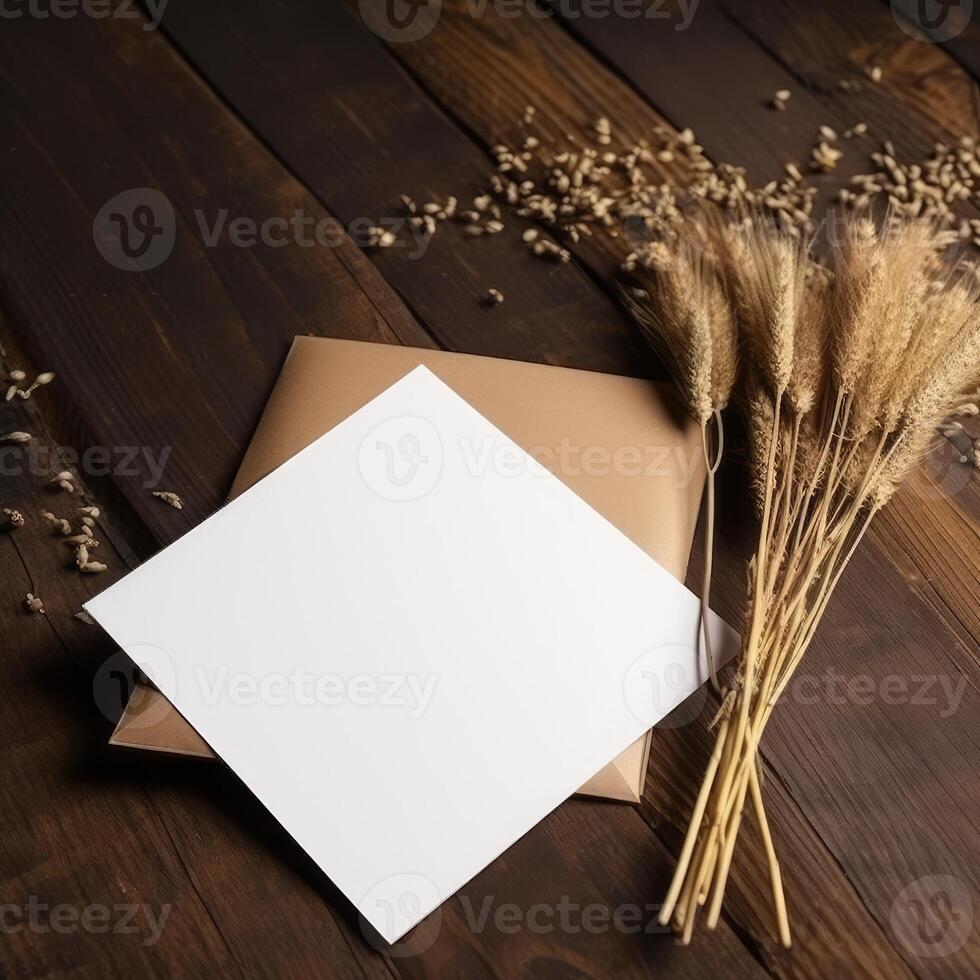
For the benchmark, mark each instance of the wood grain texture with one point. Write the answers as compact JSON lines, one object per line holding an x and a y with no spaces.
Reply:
{"x":211,"y":324}
{"x":166,"y":371}
{"x":304,"y":75}
{"x":864,"y":797}
{"x":455,"y":65}
{"x":932,"y":652}
{"x":73,"y":836}
{"x":923,"y":93}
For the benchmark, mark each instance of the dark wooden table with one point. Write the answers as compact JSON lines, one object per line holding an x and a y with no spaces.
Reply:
{"x":128,"y":865}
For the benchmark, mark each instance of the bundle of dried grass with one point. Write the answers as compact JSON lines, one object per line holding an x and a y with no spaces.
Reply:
{"x":847,"y":370}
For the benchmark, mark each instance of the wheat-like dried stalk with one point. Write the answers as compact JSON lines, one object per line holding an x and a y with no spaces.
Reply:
{"x":680,"y":300}
{"x":846,"y":373}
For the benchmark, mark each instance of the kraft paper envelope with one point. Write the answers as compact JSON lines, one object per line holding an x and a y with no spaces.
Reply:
{"x":620,"y":443}
{"x":418,"y":662}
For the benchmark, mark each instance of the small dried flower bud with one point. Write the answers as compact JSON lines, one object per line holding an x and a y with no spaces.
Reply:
{"x":14,"y":517}
{"x":33,"y":603}
{"x":93,"y":567}
{"x":11,"y":391}
{"x":17,"y":375}
{"x":169,"y":498}
{"x":81,"y":555}
{"x":17,"y":438}
{"x":87,"y":521}
{"x":90,"y":511}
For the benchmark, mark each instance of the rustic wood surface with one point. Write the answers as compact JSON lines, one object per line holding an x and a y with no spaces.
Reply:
{"x":262,"y":109}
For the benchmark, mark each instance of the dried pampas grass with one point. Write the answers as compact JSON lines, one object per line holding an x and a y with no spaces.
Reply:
{"x":846,"y":372}
{"x":681,"y":302}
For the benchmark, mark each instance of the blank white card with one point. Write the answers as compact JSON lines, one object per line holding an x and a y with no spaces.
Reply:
{"x":411,"y":642}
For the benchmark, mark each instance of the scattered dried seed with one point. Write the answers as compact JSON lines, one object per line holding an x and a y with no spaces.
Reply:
{"x":169,"y":498}
{"x":14,"y":517}
{"x":45,"y":378}
{"x":17,"y":375}
{"x":58,"y":523}
{"x":90,"y":511}
{"x":825,"y":157}
{"x":875,"y":73}
{"x":93,"y":567}
{"x":17,"y":438}
{"x":494,"y":297}
{"x":84,"y":617}
{"x":580,"y":189}
{"x":33,"y":603}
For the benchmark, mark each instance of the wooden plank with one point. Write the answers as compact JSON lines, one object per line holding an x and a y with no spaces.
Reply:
{"x":181,"y":355}
{"x":455,"y":66}
{"x":74,"y":836}
{"x":832,"y":936}
{"x":923,"y":95}
{"x":211,"y":341}
{"x":957,"y":31}
{"x":360,"y":135}
{"x":877,"y":725}
{"x":210,"y":324}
